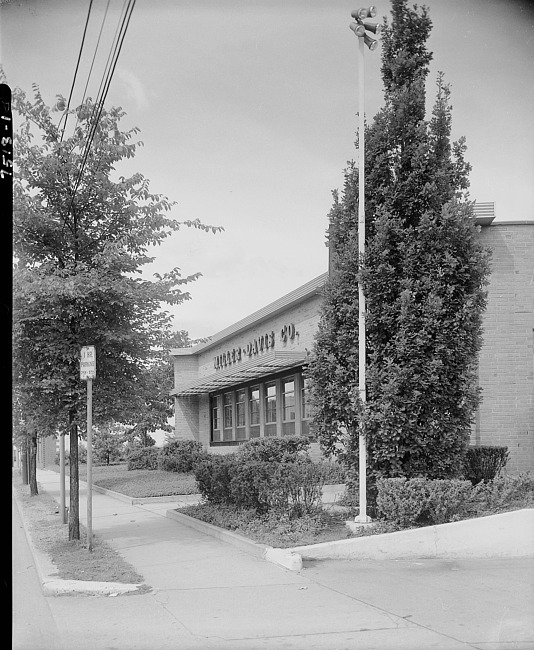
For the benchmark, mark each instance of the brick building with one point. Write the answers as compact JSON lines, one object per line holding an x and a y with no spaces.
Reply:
{"x":247,"y":380}
{"x":506,"y":365}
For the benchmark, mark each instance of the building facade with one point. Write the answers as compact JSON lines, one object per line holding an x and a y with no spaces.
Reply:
{"x":506,"y":362}
{"x":247,"y":381}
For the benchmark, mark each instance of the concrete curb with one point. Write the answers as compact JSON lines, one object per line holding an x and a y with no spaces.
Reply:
{"x":283,"y":557}
{"x":89,"y":588}
{"x":55,"y":586}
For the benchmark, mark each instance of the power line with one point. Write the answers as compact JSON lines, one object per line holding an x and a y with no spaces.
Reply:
{"x":94,"y":57}
{"x":76,"y":70}
{"x":104,"y":88}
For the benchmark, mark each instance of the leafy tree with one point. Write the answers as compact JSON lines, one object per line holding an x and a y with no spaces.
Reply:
{"x":423,"y":274}
{"x":108,"y":443}
{"x":157,"y":408}
{"x":82,"y":235}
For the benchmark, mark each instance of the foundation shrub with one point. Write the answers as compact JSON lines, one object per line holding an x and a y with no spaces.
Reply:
{"x":504,"y":493}
{"x":296,"y":488}
{"x":448,"y":500}
{"x":274,"y":449}
{"x":180,"y":456}
{"x":333,"y":472}
{"x":143,"y":458}
{"x":421,"y":501}
{"x":292,"y":487}
{"x":484,"y":463}
{"x":213,"y":475}
{"x":252,"y":483}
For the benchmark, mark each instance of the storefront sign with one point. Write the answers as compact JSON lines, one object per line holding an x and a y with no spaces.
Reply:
{"x":253,"y":348}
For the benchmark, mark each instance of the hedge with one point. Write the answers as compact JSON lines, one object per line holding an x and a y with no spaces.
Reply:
{"x":180,"y":455}
{"x":421,"y":501}
{"x":484,"y":463}
{"x":143,"y":458}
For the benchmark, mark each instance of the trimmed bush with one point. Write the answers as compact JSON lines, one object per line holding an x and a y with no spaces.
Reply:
{"x":421,"y":501}
{"x":213,"y":475}
{"x":252,"y":483}
{"x":143,"y":458}
{"x":292,"y":487}
{"x":296,"y":489}
{"x":484,"y":463}
{"x":274,"y":450}
{"x":180,"y":456}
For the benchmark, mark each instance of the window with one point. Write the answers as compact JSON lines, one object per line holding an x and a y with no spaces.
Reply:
{"x":254,"y":406}
{"x":215,"y":420}
{"x":288,"y":400}
{"x":241,"y":432}
{"x":227,"y":416}
{"x":270,"y":403}
{"x":240,"y":408}
{"x":280,"y":407}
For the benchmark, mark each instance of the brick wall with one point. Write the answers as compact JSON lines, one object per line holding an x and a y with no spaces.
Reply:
{"x":506,"y":368}
{"x":186,"y":411}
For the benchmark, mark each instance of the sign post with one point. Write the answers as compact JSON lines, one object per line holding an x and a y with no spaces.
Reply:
{"x":88,"y":373}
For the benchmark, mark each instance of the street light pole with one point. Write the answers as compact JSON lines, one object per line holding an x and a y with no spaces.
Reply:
{"x":359,"y":28}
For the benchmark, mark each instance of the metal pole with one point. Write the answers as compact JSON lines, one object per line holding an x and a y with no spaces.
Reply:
{"x":62,"y":478}
{"x":90,"y":464}
{"x":362,"y":517}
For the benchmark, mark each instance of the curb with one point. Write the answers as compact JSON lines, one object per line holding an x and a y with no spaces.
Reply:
{"x":286,"y":558}
{"x":55,"y":586}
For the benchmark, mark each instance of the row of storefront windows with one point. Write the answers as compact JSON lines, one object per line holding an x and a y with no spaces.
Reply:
{"x":279,"y":407}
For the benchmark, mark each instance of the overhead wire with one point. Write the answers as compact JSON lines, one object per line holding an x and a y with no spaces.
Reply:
{"x":94,"y":58}
{"x":66,"y":113}
{"x":104,"y":87}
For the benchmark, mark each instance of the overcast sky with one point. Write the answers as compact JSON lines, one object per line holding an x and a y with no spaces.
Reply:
{"x":247,"y":112}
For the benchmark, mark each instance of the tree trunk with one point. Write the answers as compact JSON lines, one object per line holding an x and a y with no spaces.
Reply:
{"x":33,"y":464}
{"x":24,"y":459}
{"x":74,"y":511}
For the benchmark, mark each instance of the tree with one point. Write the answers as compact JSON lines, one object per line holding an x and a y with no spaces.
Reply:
{"x":82,"y":236}
{"x":108,"y":443}
{"x":155,"y":411}
{"x":423,"y":274}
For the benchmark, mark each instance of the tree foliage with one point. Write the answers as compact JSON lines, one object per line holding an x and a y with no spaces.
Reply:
{"x":82,"y":237}
{"x":423,"y":274}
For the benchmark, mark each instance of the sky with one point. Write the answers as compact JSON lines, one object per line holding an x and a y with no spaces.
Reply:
{"x":248,"y":115}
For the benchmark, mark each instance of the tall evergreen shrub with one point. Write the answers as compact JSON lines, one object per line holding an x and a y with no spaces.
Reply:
{"x":424,"y":275}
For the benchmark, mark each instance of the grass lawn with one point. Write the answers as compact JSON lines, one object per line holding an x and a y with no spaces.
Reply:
{"x":139,"y":482}
{"x":71,"y":557}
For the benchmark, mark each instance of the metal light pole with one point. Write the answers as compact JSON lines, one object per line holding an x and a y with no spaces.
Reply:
{"x":360,"y":27}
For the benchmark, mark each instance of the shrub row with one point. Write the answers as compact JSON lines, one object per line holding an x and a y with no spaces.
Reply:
{"x":265,"y":474}
{"x":420,"y":501}
{"x":176,"y":456}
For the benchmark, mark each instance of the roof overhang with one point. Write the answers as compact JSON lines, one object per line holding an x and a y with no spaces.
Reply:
{"x":268,"y":364}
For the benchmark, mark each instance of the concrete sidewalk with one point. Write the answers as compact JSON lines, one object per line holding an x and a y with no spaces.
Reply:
{"x":206,"y":593}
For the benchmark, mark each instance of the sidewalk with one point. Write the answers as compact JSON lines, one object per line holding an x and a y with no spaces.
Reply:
{"x":220,"y":596}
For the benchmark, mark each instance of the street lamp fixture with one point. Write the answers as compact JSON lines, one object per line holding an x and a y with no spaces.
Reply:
{"x":360,"y":28}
